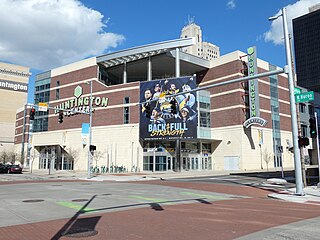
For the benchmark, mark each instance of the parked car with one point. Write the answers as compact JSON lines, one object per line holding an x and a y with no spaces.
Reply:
{"x":14,"y":169}
{"x":3,"y":168}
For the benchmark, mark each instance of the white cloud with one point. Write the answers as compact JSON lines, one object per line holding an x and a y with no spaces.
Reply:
{"x":275,"y":33}
{"x":231,"y":4}
{"x":44,"y":34}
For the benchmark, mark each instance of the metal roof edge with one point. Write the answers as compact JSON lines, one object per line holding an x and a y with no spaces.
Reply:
{"x":154,"y":47}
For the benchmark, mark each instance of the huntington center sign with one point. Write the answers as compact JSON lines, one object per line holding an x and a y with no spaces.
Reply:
{"x":254,"y":102}
{"x":81,"y":104}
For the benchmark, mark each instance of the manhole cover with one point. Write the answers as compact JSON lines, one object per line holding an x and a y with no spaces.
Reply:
{"x":32,"y":200}
{"x":80,"y":233}
{"x":79,"y":200}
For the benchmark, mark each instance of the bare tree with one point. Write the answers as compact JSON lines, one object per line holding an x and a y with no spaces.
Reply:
{"x":267,"y":157}
{"x":72,"y":155}
{"x":97,"y":156}
{"x":8,"y":156}
{"x":3,"y":156}
{"x":33,"y":155}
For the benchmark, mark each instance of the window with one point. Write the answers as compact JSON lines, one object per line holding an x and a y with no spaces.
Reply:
{"x":311,"y":110}
{"x":302,"y":107}
{"x":126,"y":115}
{"x":304,"y":130}
{"x":57,"y":94}
{"x":205,"y":119}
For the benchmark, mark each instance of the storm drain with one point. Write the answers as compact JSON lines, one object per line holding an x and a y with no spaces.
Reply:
{"x":106,"y":194}
{"x":32,"y":200}
{"x":80,"y":200}
{"x":80,"y":233}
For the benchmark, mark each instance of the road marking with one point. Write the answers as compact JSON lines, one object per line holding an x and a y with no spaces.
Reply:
{"x":205,"y":195}
{"x":155,"y":200}
{"x":74,"y":206}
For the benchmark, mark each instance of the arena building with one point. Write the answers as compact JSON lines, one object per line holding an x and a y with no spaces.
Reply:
{"x":239,"y":126}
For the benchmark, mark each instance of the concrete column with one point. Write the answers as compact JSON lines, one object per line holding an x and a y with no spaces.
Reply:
{"x":177,"y":62}
{"x":124,"y":72}
{"x":149,"y":69}
{"x":62,"y":161}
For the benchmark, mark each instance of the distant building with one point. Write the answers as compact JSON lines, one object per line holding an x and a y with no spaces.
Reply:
{"x":13,"y":96}
{"x":306,"y":32}
{"x":201,"y":49}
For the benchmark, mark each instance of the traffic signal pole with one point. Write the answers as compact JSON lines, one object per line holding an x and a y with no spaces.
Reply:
{"x":317,"y":139}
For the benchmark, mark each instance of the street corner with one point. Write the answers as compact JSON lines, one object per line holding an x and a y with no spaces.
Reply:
{"x":311,"y":195}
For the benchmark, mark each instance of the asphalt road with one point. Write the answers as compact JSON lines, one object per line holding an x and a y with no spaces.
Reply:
{"x":227,"y":207}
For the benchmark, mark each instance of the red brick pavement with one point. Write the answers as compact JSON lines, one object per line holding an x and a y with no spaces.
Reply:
{"x":227,"y":219}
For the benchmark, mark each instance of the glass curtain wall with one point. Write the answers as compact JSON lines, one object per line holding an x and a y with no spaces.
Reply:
{"x":42,"y":94}
{"x":275,"y":117}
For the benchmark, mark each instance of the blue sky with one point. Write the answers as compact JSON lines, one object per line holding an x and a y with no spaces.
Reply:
{"x":44,"y":34}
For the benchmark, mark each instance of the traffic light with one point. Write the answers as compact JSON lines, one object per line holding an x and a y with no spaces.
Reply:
{"x":303,"y":142}
{"x":60,"y":120}
{"x":32,"y":113}
{"x":313,"y":127}
{"x":147,"y":110}
{"x":173,"y":106}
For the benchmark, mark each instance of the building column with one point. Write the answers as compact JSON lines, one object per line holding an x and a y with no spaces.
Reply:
{"x":177,"y":62}
{"x":125,"y":72}
{"x":149,"y":69}
{"x":178,"y":146}
{"x":62,"y":160}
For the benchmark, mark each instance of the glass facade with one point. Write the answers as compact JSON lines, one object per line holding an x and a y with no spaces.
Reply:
{"x":42,"y":94}
{"x":306,"y":32}
{"x":275,"y":117}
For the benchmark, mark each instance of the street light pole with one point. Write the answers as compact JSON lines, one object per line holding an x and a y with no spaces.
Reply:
{"x":296,"y":151}
{"x":90,"y":132}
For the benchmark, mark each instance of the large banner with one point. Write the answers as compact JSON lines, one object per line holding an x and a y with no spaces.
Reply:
{"x":164,"y":122}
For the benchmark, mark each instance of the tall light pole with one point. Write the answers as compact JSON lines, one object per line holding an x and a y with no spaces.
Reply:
{"x":90,"y":132}
{"x":296,"y":151}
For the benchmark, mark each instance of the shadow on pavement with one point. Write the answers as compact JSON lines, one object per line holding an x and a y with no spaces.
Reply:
{"x":85,"y":227}
{"x":70,"y":226}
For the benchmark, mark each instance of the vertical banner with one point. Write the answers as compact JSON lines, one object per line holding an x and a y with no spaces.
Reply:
{"x":85,"y":133}
{"x":163,"y":122}
{"x":253,"y":84}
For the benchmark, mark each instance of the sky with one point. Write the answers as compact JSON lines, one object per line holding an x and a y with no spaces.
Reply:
{"x":45,"y":34}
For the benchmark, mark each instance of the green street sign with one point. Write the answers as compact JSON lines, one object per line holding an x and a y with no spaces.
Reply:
{"x":297,"y":90}
{"x":304,"y":97}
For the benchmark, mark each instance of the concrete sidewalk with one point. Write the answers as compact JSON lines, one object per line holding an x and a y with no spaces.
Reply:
{"x":312,"y":195}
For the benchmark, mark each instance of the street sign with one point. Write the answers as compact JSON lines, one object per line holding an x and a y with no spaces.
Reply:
{"x":297,"y":90}
{"x":43,"y":107}
{"x":304,"y":97}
